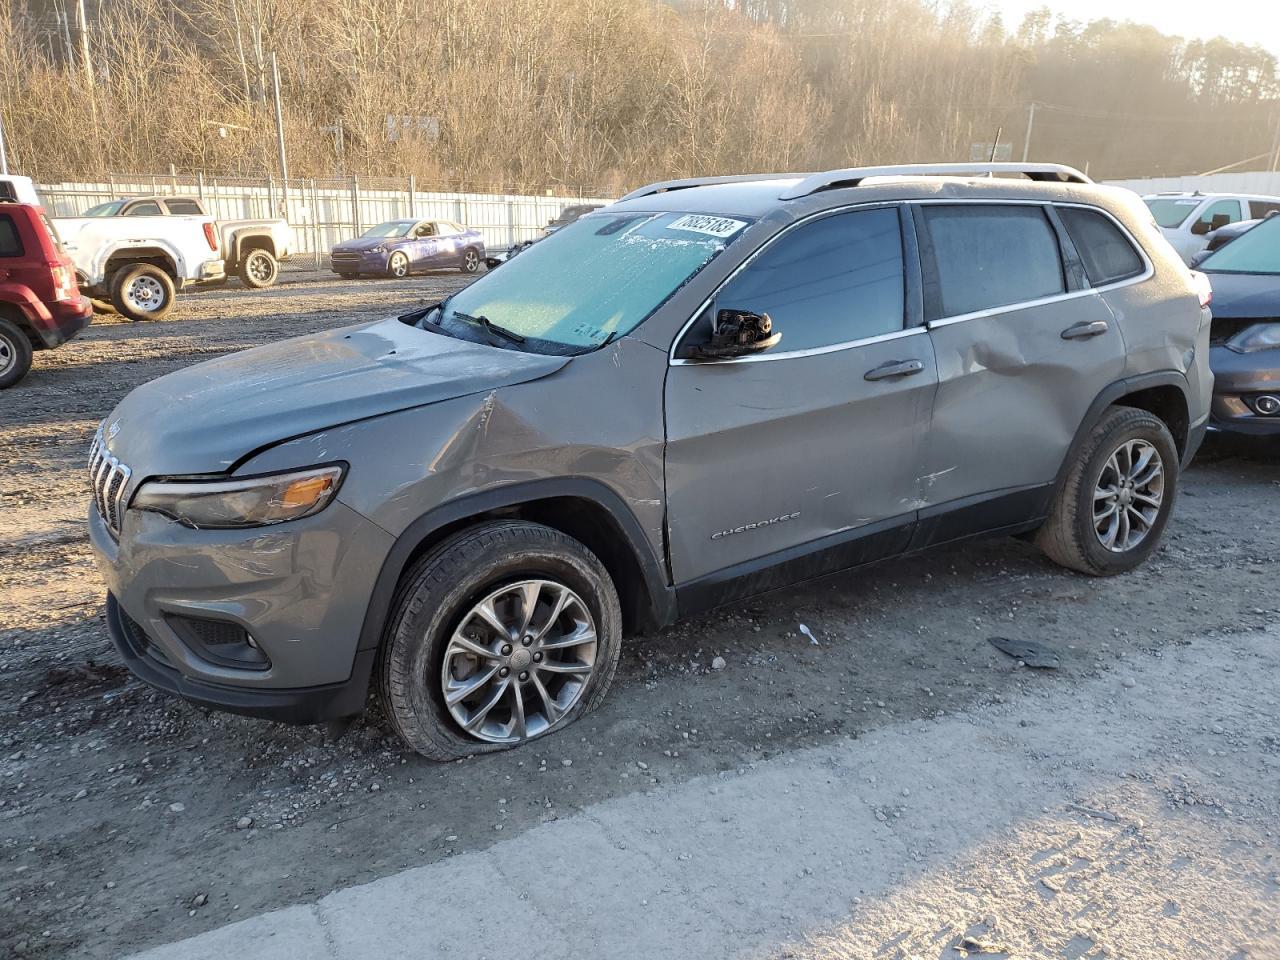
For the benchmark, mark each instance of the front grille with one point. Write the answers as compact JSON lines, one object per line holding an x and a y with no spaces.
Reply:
{"x":109,"y":479}
{"x":345,"y":258}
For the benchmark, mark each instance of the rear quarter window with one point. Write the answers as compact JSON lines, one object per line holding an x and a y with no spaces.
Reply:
{"x":10,"y":242}
{"x":1106,"y":252}
{"x":988,"y":255}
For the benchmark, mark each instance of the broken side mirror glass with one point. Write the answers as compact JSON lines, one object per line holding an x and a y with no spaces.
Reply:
{"x":738,"y":333}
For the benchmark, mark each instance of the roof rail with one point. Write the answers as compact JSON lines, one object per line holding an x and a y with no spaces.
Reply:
{"x":665,"y":186}
{"x":836,"y":179}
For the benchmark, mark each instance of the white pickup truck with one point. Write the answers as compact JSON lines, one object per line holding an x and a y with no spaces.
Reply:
{"x":137,"y":252}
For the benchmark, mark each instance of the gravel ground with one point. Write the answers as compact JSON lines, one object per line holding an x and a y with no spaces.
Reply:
{"x":128,"y":819}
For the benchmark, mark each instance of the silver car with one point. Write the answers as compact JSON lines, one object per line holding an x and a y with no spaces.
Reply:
{"x":709,"y":389}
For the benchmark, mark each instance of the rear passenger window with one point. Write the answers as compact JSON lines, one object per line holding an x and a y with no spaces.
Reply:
{"x":10,"y":242}
{"x":828,"y":282}
{"x":183,"y":208}
{"x":1107,"y":253}
{"x":1261,"y":208}
{"x":986,"y":256}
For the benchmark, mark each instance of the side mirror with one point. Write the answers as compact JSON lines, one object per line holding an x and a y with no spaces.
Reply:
{"x":738,"y":333}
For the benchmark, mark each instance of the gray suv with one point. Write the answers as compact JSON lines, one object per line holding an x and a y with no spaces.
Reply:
{"x":709,"y":389}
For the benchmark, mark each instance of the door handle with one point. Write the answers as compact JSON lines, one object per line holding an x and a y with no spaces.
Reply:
{"x":894,"y":368}
{"x":1082,"y":331}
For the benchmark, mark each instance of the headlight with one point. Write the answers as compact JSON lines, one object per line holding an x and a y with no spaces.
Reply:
{"x":1260,"y":336}
{"x":250,"y":502}
{"x":379,"y":249}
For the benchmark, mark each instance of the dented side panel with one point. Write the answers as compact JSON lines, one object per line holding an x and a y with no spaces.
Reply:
{"x":600,"y":417}
{"x":765,"y":456}
{"x":1012,"y":393}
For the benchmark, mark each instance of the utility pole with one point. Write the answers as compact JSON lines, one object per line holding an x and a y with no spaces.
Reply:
{"x":82,"y":28}
{"x":244,"y":65}
{"x":284,"y":160}
{"x":1275,"y":147}
{"x":275,"y":83}
{"x":1031,"y":121}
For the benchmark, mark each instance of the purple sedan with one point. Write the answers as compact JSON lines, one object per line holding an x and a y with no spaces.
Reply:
{"x":398,"y":248}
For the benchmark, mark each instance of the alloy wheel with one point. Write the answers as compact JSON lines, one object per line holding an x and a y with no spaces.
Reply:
{"x":259,"y":267}
{"x":399,"y":265}
{"x":519,"y":661}
{"x":8,"y":355}
{"x":1128,"y":495}
{"x":471,"y":261}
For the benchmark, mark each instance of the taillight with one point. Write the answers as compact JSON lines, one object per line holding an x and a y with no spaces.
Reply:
{"x":64,"y":283}
{"x":211,"y":237}
{"x":1203,"y":288}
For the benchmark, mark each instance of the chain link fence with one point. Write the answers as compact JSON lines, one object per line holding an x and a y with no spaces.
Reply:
{"x":325,"y":212}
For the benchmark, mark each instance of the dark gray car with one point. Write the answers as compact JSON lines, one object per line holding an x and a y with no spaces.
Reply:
{"x":708,"y":389}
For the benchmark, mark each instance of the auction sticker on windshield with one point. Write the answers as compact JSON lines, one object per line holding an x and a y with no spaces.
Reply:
{"x":712,"y":226}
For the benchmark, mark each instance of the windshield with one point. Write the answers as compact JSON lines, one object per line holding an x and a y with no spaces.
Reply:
{"x":395,"y":228}
{"x":1254,"y":251}
{"x":597,"y":278}
{"x":1170,"y":212}
{"x":108,"y":209}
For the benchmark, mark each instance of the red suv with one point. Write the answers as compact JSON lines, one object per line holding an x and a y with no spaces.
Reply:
{"x":40,"y":305}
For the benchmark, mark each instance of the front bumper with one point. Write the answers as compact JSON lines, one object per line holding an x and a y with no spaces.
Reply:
{"x":1239,"y":379}
{"x":300,"y":590}
{"x":358,"y":262}
{"x":301,"y":705}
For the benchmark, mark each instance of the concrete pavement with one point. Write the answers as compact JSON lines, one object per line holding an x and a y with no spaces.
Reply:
{"x":1132,"y":813}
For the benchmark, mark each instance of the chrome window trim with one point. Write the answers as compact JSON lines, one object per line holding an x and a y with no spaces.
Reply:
{"x":1147,"y":273}
{"x":807,"y":352}
{"x":673,"y":361}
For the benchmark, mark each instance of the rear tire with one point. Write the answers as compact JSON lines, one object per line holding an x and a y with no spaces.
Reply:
{"x":1112,"y":509}
{"x":15,"y":353}
{"x":142,"y":292}
{"x":470,"y":262}
{"x":259,"y":269}
{"x":436,"y":604}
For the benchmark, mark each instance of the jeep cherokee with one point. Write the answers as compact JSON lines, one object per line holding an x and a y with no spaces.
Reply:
{"x":709,"y":389}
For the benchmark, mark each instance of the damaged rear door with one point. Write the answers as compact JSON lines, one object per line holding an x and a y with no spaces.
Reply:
{"x":804,"y":458}
{"x":1023,"y":347}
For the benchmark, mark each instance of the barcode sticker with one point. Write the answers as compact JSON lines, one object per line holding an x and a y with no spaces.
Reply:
{"x":712,"y":226}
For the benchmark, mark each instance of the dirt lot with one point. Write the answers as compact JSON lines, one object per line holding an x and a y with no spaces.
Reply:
{"x":128,"y":819}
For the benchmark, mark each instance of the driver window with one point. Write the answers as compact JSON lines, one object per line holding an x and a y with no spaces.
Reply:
{"x":831,"y":281}
{"x":425,"y":230}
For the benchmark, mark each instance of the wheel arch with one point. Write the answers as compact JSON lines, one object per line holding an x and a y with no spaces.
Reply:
{"x":159,"y":257}
{"x":1163,"y":394}
{"x":242,"y":243}
{"x":581,"y":508}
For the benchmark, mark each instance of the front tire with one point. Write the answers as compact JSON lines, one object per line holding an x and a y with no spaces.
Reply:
{"x":398,"y":266}
{"x":1112,"y":510}
{"x":502,"y":633}
{"x":142,"y":292}
{"x":15,"y":353}
{"x":259,"y":270}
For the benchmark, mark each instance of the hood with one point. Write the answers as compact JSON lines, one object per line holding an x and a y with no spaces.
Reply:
{"x":206,"y":417}
{"x":367,"y":243}
{"x":1244,"y":294}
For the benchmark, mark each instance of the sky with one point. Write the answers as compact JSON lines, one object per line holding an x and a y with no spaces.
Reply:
{"x":1245,"y":21}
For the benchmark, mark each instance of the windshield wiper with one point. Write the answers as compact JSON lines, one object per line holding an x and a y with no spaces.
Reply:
{"x":489,"y":326}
